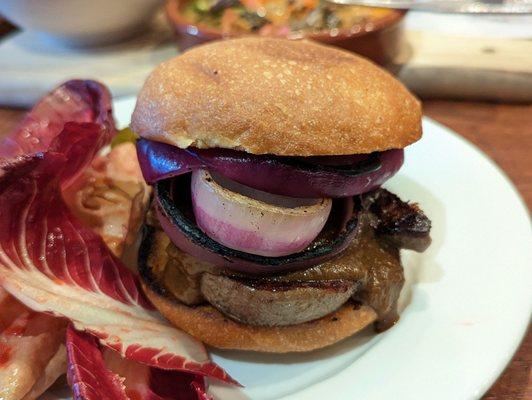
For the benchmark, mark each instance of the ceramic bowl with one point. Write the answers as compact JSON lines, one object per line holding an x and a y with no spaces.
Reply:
{"x":378,"y":40}
{"x":80,"y":22}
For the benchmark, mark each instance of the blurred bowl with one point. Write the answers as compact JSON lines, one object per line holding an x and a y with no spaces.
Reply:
{"x":80,"y":22}
{"x":379,"y":40}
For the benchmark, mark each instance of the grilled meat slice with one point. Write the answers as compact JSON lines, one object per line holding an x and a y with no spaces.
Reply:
{"x":275,"y":303}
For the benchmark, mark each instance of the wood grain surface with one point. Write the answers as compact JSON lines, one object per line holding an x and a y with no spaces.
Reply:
{"x":502,"y":131}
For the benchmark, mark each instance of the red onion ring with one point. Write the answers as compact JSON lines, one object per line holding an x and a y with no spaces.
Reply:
{"x":186,"y":235}
{"x":288,"y":176}
{"x":252,"y":221}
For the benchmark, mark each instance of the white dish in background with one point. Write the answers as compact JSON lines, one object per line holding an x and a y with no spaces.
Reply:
{"x":123,"y":66}
{"x":80,"y":22}
{"x":466,"y":303}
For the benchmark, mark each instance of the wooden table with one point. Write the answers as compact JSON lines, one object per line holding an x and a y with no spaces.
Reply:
{"x":504,"y":132}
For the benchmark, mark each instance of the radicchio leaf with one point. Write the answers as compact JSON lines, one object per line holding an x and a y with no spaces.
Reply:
{"x":55,"y":368}
{"x":87,"y":374}
{"x":31,"y":347}
{"x":53,"y":263}
{"x":201,"y":391}
{"x":97,"y":373}
{"x":147,"y":383}
{"x":111,"y":198}
{"x":73,"y":101}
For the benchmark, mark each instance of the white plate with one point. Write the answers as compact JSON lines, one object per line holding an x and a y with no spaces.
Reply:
{"x":467,"y":300}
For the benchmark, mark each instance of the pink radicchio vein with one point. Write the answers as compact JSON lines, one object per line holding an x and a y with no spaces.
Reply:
{"x":87,"y":374}
{"x":54,"y":264}
{"x":100,"y":374}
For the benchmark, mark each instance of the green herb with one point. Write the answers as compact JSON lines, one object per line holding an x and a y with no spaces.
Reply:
{"x":202,"y":6}
{"x":124,"y":136}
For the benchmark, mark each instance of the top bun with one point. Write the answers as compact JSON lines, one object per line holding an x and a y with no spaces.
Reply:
{"x":276,"y":96}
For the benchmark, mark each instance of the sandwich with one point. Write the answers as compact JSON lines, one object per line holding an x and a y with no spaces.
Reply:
{"x":269,"y":229}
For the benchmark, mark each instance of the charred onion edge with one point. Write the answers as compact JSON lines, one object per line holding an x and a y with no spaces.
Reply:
{"x":371,"y":163}
{"x":326,"y":284}
{"x":260,"y":265}
{"x":147,"y":276}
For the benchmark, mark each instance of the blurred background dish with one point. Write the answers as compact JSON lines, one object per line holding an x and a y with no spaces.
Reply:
{"x":375,"y":33}
{"x":79,"y":22}
{"x":435,"y":55}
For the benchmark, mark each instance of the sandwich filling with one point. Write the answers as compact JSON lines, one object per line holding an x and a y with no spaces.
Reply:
{"x":249,"y":227}
{"x":267,"y":158}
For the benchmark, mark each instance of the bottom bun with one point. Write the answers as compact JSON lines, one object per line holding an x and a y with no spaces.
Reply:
{"x":213,"y":328}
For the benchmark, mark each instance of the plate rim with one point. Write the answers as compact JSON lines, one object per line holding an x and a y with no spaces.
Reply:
{"x":523,"y":208}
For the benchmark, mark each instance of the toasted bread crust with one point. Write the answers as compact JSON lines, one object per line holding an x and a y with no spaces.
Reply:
{"x":211,"y":327}
{"x":274,"y":96}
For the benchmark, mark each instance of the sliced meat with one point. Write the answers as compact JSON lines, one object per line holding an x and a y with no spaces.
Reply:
{"x":275,"y":304}
{"x":402,"y":224}
{"x":169,"y":271}
{"x":172,"y":273}
{"x":369,"y":271}
{"x":375,"y":263}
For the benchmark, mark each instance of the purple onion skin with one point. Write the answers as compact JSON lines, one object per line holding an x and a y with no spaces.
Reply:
{"x":277,"y":175}
{"x":159,"y":161}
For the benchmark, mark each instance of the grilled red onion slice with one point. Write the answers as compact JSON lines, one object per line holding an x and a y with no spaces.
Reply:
{"x":172,"y":211}
{"x":307,"y":177}
{"x":252,"y":221}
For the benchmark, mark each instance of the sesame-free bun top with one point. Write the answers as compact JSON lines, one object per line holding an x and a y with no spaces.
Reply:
{"x":276,"y":96}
